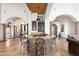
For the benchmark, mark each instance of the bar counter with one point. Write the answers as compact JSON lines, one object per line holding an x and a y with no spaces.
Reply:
{"x":47,"y":44}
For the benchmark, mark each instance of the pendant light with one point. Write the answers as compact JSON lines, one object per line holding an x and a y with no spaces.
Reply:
{"x":38,"y":19}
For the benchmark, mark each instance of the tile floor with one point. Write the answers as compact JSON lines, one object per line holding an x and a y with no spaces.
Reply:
{"x":12,"y":47}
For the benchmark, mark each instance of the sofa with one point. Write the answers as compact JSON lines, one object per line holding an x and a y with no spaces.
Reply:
{"x":73,"y":46}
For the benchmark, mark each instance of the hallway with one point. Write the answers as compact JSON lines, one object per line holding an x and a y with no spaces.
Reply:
{"x":13,"y":48}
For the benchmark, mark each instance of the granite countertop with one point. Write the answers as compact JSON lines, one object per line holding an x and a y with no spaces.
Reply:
{"x":35,"y":37}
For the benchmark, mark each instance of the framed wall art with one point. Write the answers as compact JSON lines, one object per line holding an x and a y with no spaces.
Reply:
{"x":34,"y":25}
{"x":62,"y":28}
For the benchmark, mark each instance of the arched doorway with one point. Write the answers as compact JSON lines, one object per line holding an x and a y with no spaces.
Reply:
{"x":65,"y":24}
{"x":53,"y":29}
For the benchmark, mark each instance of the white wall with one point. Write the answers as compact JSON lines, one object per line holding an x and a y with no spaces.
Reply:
{"x":64,"y":8}
{"x":60,"y":9}
{"x":48,"y":10}
{"x":0,"y":12}
{"x":9,"y":10}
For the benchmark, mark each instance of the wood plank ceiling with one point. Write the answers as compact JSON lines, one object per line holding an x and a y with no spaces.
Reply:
{"x":37,"y":7}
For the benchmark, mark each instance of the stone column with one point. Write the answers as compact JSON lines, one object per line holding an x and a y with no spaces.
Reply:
{"x":14,"y":31}
{"x":21,"y":29}
{"x":76,"y":29}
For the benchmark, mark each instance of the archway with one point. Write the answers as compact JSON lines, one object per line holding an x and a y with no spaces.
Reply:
{"x":13,"y":27}
{"x":65,"y":25}
{"x":53,"y":29}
